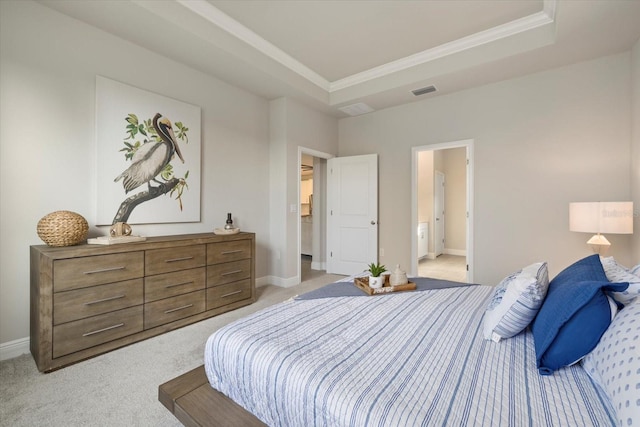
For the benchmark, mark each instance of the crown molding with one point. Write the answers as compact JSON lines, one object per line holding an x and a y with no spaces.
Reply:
{"x":214,"y":15}
{"x":483,"y":37}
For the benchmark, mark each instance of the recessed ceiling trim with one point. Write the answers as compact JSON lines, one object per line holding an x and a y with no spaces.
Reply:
{"x":235,"y":28}
{"x":502,"y":31}
{"x":214,"y":15}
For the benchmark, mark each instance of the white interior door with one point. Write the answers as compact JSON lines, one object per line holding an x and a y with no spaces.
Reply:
{"x":352,"y":213}
{"x":438,"y":207}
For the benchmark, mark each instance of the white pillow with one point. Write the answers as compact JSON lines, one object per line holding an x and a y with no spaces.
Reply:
{"x":617,"y":273}
{"x":516,"y":302}
{"x":635,"y":270}
{"x":610,"y":265}
{"x":615,"y":364}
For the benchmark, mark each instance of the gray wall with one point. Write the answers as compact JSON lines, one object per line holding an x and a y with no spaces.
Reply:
{"x":47,"y":153}
{"x":293,"y":125}
{"x":541,"y":142}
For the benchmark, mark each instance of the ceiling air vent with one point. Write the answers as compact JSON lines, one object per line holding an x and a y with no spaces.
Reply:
{"x":422,"y":91}
{"x":356,"y":109}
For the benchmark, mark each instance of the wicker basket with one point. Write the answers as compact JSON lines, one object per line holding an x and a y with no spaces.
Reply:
{"x":63,"y":228}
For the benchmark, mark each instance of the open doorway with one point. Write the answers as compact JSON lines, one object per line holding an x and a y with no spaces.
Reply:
{"x":306,"y":217}
{"x":442,"y":211}
{"x":312,"y":219}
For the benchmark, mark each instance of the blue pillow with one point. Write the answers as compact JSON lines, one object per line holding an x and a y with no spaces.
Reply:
{"x":589,"y":268}
{"x":574,"y":315}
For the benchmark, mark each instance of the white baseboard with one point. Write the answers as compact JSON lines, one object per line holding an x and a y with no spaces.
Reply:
{"x":318,"y":265}
{"x":458,"y":252}
{"x":11,"y":349}
{"x":262,"y":281}
{"x":278,"y":281}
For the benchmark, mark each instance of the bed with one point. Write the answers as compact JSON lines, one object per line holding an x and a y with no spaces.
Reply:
{"x":418,"y":358}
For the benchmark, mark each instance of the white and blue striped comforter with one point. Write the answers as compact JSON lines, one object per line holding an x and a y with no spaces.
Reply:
{"x":405,"y":359}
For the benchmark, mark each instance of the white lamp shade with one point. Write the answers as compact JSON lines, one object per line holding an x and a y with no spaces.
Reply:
{"x":601,"y":217}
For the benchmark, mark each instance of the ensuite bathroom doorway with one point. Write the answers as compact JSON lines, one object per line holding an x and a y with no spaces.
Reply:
{"x":442,"y":191}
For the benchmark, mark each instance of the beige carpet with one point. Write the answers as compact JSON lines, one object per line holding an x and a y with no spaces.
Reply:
{"x":119,"y":388}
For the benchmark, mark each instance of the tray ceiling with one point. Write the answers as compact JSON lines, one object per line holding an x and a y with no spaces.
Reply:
{"x":332,"y":54}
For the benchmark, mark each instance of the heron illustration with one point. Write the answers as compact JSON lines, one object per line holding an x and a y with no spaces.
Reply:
{"x":151,"y":158}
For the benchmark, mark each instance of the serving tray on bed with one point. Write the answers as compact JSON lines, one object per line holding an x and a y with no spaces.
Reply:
{"x":363,"y":283}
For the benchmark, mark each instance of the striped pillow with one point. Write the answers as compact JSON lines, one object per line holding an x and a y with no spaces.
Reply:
{"x":516,"y":302}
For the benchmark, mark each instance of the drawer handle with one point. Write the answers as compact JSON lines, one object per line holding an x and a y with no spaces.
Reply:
{"x":179,"y":259}
{"x":178,"y":284}
{"x":231,"y":293}
{"x":104,"y":300}
{"x":105,"y":270}
{"x":231,"y":252}
{"x":231,"y":272}
{"x":179,"y":308}
{"x":103,"y":330}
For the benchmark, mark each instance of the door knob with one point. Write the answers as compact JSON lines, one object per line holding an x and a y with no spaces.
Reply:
{"x":373,"y":222}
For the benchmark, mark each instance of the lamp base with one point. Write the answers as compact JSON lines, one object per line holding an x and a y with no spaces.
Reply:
{"x":599,"y":244}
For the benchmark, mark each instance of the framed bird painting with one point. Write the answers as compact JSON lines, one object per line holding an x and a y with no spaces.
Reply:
{"x":148,"y":156}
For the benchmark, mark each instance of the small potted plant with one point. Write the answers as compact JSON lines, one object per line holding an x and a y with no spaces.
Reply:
{"x":375,"y":278}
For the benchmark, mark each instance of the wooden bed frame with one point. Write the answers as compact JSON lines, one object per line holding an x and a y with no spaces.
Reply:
{"x":193,"y":401}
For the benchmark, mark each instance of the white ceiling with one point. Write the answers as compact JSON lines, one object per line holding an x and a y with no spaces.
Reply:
{"x":337,"y":39}
{"x":331,"y":54}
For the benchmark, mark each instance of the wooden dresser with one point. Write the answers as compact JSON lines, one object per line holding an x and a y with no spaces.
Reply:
{"x":90,"y":299}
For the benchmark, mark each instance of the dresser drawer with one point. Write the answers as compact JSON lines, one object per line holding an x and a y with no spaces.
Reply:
{"x":220,"y":274}
{"x":172,"y":284}
{"x":226,"y":294}
{"x":87,"y":302}
{"x":96,"y":270}
{"x":159,"y":261}
{"x":90,"y":299}
{"x":167,"y":310}
{"x":228,"y":251}
{"x":85,"y":333}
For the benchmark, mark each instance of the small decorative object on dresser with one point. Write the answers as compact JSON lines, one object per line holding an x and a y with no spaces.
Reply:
{"x":62,"y":228}
{"x":229,"y":224}
{"x":120,"y":229}
{"x":120,"y":232}
{"x":224,"y":231}
{"x":228,"y":228}
{"x":91,"y":299}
